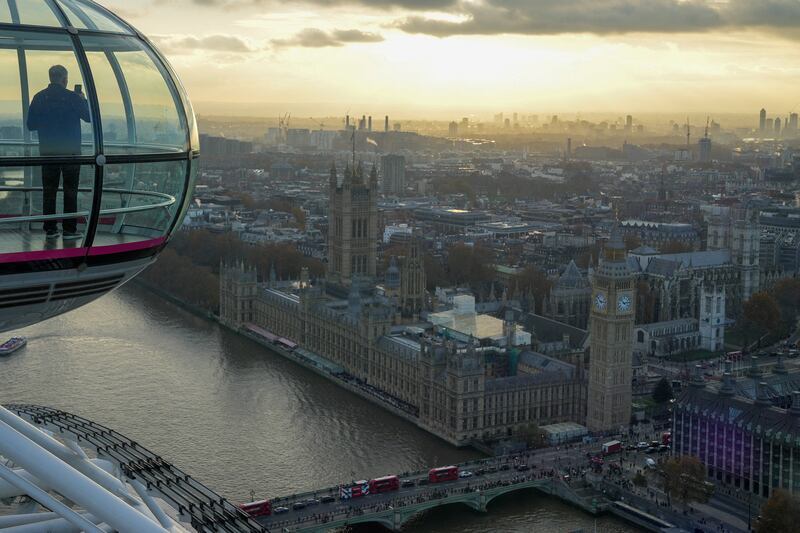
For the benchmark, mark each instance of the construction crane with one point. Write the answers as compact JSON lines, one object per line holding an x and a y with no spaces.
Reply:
{"x":688,"y":134}
{"x":283,"y":126}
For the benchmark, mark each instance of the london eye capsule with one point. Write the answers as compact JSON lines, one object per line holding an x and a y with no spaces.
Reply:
{"x":98,"y":149}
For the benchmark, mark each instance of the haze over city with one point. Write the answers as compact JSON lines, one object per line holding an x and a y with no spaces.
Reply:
{"x":400,"y":265}
{"x":436,"y":58}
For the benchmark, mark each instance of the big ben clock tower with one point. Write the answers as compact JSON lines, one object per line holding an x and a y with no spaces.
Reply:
{"x":611,"y":340}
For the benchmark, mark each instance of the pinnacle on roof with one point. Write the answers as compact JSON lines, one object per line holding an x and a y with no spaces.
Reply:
{"x":571,"y":277}
{"x":697,"y":379}
{"x":333,"y":179}
{"x":615,"y":241}
{"x":727,"y":388}
{"x":762,"y":393}
{"x":795,"y":407}
{"x":779,"y":367}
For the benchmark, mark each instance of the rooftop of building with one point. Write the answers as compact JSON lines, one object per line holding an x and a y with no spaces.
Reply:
{"x":758,"y":416}
{"x":548,"y":330}
{"x":729,"y":400}
{"x":671,"y":226}
{"x":543,"y":363}
{"x":572,"y":278}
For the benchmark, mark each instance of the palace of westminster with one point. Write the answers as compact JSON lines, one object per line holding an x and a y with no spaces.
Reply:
{"x":462,"y":387}
{"x":468,"y":377}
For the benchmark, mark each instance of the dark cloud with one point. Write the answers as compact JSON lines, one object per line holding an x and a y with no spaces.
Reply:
{"x":377,"y":4}
{"x":771,"y":13}
{"x":213,"y":43}
{"x":316,"y":38}
{"x":544,"y":17}
{"x":548,"y":17}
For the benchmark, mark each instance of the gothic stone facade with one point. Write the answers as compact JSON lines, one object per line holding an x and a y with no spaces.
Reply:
{"x":611,"y":344}
{"x":445,"y":382}
{"x":353,"y":225}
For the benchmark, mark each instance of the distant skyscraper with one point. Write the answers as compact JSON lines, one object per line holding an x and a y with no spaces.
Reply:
{"x":793,"y":122}
{"x":762,"y":120}
{"x":393,"y":169}
{"x":778,"y":126}
{"x":769,"y":125}
{"x":704,"y":150}
{"x":628,"y":122}
{"x":507,"y":123}
{"x":386,"y":123}
{"x":369,"y":123}
{"x":452,"y":129}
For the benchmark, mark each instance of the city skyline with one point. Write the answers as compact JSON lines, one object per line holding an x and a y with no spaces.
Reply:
{"x":443,"y":57}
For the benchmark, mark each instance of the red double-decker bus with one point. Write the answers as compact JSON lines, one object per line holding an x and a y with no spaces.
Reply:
{"x":384,"y":484}
{"x":443,"y":473}
{"x":257,"y":508}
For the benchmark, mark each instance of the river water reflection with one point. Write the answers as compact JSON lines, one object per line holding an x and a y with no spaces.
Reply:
{"x":236,"y":416}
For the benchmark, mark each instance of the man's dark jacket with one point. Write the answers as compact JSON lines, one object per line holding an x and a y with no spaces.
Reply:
{"x":56,"y":113}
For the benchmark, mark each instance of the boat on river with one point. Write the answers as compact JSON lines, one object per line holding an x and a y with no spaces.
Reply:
{"x":12,"y":345}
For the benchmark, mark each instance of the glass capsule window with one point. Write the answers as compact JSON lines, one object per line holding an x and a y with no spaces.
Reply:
{"x":98,"y":139}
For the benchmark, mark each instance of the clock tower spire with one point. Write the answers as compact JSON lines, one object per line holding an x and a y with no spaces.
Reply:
{"x":611,"y":339}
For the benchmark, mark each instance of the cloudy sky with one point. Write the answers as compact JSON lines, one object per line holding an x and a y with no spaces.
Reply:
{"x":410,"y":57}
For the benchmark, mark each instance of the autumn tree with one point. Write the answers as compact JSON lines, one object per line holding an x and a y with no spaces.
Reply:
{"x":663,"y":391}
{"x":534,"y":280}
{"x":780,"y":513}
{"x":470,"y":265}
{"x":533,"y":436}
{"x":435,"y":275}
{"x":787,"y":295}
{"x":684,"y":479}
{"x":761,"y":315}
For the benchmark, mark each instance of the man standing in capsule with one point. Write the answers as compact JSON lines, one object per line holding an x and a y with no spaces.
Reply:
{"x":56,"y":113}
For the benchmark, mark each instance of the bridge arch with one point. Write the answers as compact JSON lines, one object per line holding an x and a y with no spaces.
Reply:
{"x":470,"y":500}
{"x":492,"y":495}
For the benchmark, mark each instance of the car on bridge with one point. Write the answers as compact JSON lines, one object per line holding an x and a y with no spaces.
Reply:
{"x":280,"y":510}
{"x":464,"y":474}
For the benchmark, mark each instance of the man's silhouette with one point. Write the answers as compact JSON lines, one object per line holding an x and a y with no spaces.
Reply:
{"x":56,"y":113}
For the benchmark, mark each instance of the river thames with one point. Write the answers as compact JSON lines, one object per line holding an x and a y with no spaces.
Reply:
{"x":238,"y":417}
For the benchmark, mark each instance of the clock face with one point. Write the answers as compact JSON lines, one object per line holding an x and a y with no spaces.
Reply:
{"x":600,"y":301}
{"x":624,"y":303}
